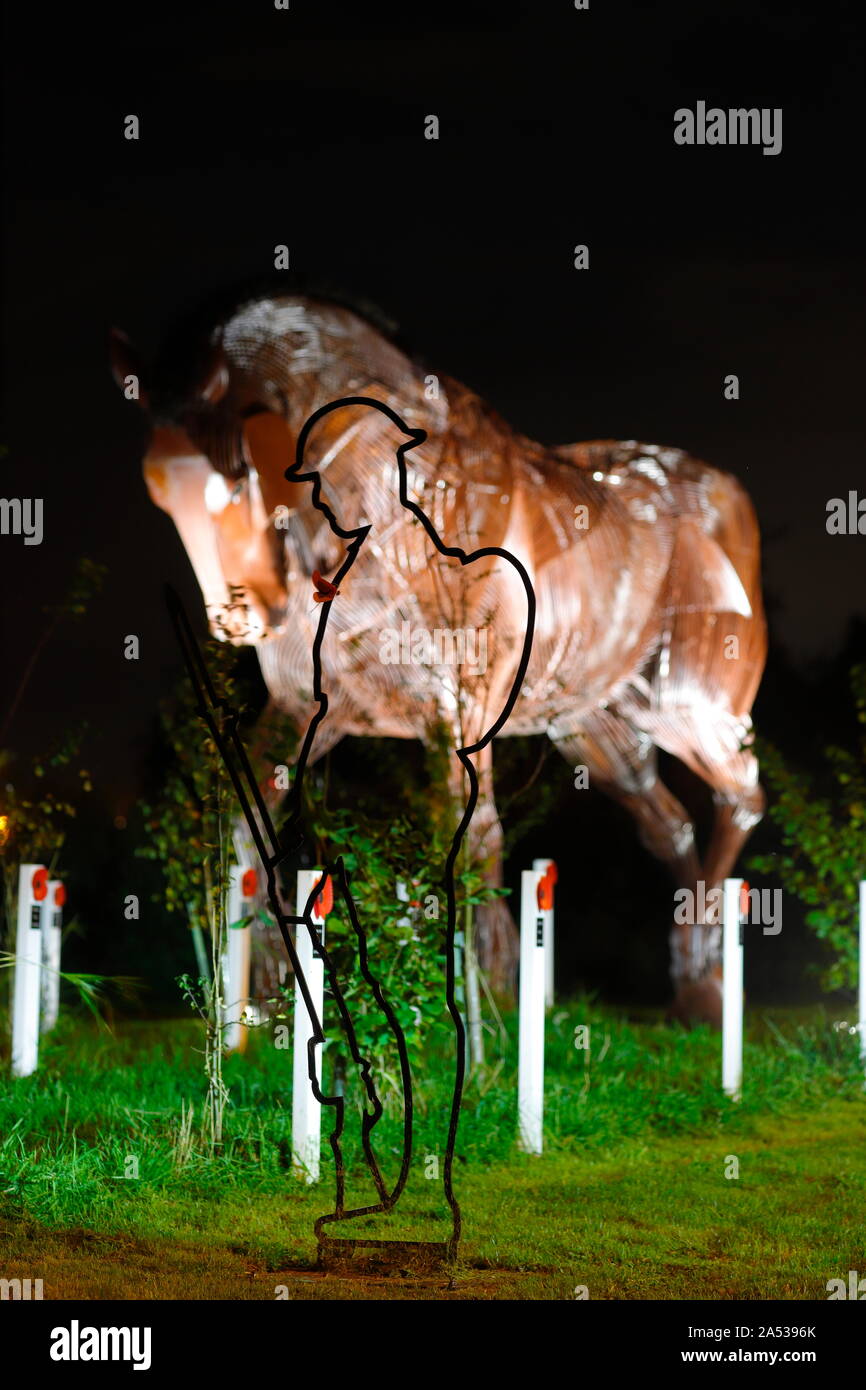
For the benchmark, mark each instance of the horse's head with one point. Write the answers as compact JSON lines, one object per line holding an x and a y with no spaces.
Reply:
{"x":226,"y":407}
{"x":215,"y":463}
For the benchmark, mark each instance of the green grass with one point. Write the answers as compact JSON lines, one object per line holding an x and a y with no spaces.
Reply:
{"x":630,"y":1198}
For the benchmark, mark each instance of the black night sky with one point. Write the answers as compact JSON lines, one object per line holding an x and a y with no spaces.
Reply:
{"x":305,"y":126}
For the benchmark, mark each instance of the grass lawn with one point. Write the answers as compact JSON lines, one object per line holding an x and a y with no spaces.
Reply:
{"x":631,"y":1199}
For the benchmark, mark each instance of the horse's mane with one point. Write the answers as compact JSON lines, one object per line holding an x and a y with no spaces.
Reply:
{"x":188,"y":338}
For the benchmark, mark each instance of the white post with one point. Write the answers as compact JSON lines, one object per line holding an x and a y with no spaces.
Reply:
{"x":52,"y":929}
{"x":240,"y":897}
{"x":732,"y":989}
{"x":542,"y":865}
{"x":306,"y":1110}
{"x":413,"y":905}
{"x":459,"y":993}
{"x":862,"y":991}
{"x":530,"y":1074}
{"x":402,"y":895}
{"x":32,"y":892}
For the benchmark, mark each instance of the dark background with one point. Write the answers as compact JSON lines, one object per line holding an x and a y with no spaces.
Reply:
{"x":306,"y":127}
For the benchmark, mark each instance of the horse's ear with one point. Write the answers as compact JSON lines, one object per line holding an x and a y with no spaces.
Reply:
{"x":214,"y":380}
{"x":126,"y":367}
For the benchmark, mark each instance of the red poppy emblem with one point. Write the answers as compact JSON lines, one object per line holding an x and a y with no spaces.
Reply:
{"x":545,"y":888}
{"x":324,"y":902}
{"x":325,"y":590}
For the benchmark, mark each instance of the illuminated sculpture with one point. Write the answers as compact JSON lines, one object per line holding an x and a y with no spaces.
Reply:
{"x":650,"y":630}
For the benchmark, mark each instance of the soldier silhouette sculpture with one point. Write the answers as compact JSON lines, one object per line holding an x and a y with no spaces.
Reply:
{"x":491,"y":568}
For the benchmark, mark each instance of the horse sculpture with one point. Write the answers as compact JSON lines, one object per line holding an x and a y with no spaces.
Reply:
{"x":650,"y":632}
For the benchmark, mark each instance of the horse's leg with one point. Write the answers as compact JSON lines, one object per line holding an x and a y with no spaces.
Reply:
{"x":621,"y":762}
{"x":738,"y":801}
{"x":497,"y":937}
{"x":710,"y":741}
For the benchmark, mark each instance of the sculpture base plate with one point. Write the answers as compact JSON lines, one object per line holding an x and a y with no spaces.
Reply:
{"x":383,"y":1256}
